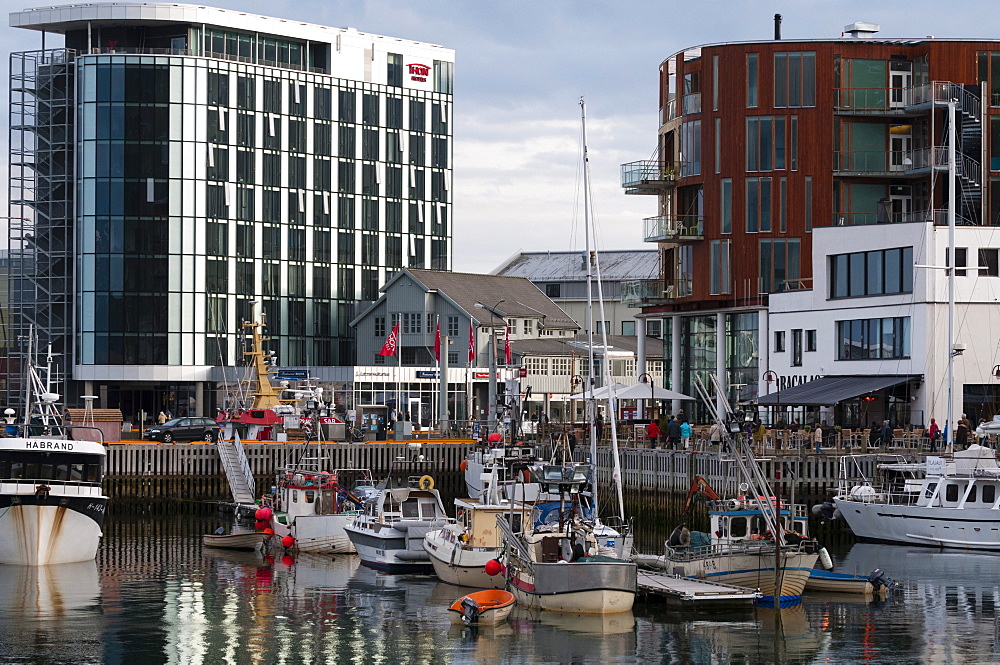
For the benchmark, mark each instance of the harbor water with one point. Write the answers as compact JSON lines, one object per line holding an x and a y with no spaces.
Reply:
{"x":156,"y":596}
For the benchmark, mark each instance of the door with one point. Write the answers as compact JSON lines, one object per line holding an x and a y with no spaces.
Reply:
{"x":901,"y":204}
{"x":900,"y":81}
{"x":900,"y":145}
{"x":182,"y":430}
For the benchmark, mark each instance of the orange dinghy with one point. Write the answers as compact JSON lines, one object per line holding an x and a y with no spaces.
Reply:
{"x":482,"y":608}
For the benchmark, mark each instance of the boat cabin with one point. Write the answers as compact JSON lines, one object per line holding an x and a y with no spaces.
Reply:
{"x":52,"y":461}
{"x":741,"y":520}
{"x":305,"y":493}
{"x":476,"y":523}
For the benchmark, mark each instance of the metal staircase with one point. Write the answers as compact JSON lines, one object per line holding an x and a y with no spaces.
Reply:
{"x":234,"y":461}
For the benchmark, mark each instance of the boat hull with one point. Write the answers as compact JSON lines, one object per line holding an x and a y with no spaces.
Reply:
{"x":751,"y":570}
{"x":44,"y":533}
{"x":494,"y":607}
{"x":580,"y":587}
{"x":317,"y":534}
{"x":390,"y":550}
{"x":830,"y":582}
{"x":955,"y":528}
{"x":461,"y":566}
{"x":236,"y":541}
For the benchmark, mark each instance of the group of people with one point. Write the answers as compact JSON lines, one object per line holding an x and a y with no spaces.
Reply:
{"x":964,"y":428}
{"x":678,"y":435}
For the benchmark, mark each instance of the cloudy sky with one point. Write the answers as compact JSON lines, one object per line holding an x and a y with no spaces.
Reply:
{"x":522,"y":66}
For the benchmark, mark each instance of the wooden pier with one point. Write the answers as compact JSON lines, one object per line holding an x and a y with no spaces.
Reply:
{"x":694,"y":594}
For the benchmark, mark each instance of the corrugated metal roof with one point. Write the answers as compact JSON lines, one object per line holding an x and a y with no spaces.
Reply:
{"x":567,"y":346}
{"x":616,"y":265}
{"x":520,"y":297}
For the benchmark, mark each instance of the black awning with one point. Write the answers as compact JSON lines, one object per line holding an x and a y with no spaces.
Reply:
{"x":830,"y":390}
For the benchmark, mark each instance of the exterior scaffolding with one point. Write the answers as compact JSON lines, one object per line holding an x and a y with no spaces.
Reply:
{"x":41,"y":212}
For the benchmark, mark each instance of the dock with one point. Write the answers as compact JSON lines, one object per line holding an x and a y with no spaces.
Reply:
{"x":693,"y":593}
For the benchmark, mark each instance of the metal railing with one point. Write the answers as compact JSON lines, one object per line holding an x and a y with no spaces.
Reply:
{"x":871,"y":99}
{"x":648,"y":171}
{"x":665,"y":227}
{"x":134,"y":50}
{"x":636,"y":291}
{"x":937,"y":216}
{"x":692,"y":103}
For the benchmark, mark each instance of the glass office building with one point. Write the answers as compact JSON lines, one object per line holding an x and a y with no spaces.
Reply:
{"x":172,"y":164}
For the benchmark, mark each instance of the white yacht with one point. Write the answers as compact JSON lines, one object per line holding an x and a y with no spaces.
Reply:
{"x":955,"y":504}
{"x":389,"y":532}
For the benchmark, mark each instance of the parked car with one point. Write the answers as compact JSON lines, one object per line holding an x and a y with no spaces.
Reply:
{"x":184,"y":429}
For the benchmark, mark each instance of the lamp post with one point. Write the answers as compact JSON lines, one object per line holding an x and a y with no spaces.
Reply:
{"x":770,"y":376}
{"x":492,"y":412}
{"x":646,"y":378}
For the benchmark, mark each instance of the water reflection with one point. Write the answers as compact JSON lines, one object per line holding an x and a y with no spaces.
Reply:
{"x":156,"y":596}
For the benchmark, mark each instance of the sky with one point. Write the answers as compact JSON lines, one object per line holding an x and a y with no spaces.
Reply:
{"x":522,"y":67}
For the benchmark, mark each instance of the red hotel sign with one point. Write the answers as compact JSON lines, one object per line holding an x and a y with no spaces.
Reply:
{"x":419,"y":72}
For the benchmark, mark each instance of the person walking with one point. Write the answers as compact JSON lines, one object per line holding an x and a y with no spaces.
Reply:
{"x":933,"y":433}
{"x":886,"y":435}
{"x":599,"y":427}
{"x":818,"y":439}
{"x":759,"y":435}
{"x":674,"y":433}
{"x":653,"y":434}
{"x":162,"y":418}
{"x":715,"y":434}
{"x":686,"y":432}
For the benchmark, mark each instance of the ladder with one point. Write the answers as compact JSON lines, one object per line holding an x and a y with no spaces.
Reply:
{"x":237,"y":468}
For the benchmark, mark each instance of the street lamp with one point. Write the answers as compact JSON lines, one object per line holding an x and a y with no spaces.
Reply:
{"x":770,"y":376}
{"x":492,"y":413}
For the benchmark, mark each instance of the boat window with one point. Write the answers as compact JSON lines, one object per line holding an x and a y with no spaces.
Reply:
{"x":310,"y":496}
{"x":929,"y":492}
{"x":45,"y":471}
{"x":62,"y":472}
{"x":738,"y":527}
{"x":295,"y":496}
{"x":93,"y":473}
{"x":989,"y":493}
{"x":76,"y":472}
{"x":972,"y":493}
{"x":951,"y":492}
{"x":31,"y":470}
{"x":427,"y":510}
{"x":410,"y":509}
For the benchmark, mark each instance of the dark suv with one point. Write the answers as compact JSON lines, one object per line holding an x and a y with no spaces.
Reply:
{"x":184,"y":429}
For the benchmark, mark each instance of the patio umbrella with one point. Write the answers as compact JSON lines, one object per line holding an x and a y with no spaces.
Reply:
{"x":603,"y":392}
{"x":650,"y":391}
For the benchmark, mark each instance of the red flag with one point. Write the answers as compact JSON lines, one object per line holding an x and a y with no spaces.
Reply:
{"x":506,"y":343}
{"x":437,"y":342}
{"x":389,"y":348}
{"x":472,"y":343}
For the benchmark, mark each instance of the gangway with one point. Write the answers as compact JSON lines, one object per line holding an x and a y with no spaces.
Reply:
{"x":238,"y":473}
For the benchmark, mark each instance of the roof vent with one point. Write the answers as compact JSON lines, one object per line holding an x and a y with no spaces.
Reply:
{"x":861,"y":30}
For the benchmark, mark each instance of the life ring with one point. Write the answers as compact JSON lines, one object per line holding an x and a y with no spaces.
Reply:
{"x":425,"y":483}
{"x":464,"y":465}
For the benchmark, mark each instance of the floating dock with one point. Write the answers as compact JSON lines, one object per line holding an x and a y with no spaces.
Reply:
{"x":692,"y":593}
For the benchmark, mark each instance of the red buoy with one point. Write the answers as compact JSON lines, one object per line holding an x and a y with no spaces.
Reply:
{"x":259,"y":514}
{"x":264,"y":513}
{"x":495,"y":437}
{"x":261,"y":524}
{"x":492,"y":567}
{"x":287,"y":541}
{"x":269,"y":530}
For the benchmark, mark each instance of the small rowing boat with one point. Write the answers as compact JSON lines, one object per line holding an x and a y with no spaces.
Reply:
{"x":235,"y":541}
{"x":876,"y":584}
{"x":482,"y":608}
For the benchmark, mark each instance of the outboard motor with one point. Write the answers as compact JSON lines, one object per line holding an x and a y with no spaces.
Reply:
{"x":826,"y":510}
{"x":470,"y":612}
{"x":879,"y":579}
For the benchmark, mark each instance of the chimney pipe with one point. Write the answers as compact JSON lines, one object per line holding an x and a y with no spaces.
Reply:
{"x":777,"y":27}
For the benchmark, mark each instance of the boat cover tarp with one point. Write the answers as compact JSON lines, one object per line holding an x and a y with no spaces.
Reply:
{"x":830,"y":390}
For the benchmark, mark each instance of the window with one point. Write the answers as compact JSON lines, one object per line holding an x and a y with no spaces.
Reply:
{"x":758,"y":207}
{"x":810,"y":340}
{"x":779,"y":264}
{"x":654,"y":327}
{"x":989,"y":494}
{"x":766,"y":143}
{"x":779,"y":341}
{"x":715,"y":90}
{"x":794,"y":79}
{"x":875,"y":273}
{"x":526,"y":327}
{"x":369,"y":109}
{"x":951,"y":492}
{"x":809,"y":204}
{"x":412,"y":323}
{"x":796,"y":348}
{"x":726,"y":206}
{"x":720,"y":267}
{"x":783,"y":205}
{"x":690,"y":136}
{"x":394,"y":75}
{"x":988,"y":259}
{"x":561,"y":366}
{"x":443,"y":76}
{"x":873,"y":339}
{"x":628,"y":328}
{"x":553,"y":290}
{"x":752,"y":79}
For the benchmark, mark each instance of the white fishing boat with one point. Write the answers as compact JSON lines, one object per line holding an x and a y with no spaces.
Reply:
{"x":314,"y":507}
{"x":740,"y":547}
{"x":556,"y":565}
{"x":504,"y":463}
{"x":953,"y":504}
{"x":52,"y":505}
{"x":389,"y":532}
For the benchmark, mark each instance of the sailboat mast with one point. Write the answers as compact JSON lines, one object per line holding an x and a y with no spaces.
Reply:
{"x":591,"y":404}
{"x":951,"y":272}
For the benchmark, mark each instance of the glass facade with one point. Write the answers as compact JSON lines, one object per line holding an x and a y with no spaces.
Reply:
{"x":742,"y":356}
{"x":204,"y":184}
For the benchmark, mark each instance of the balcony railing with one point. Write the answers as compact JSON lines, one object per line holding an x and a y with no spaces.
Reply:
{"x":134,"y":50}
{"x":692,"y":103}
{"x":942,"y":92}
{"x":869,"y":162}
{"x":673,"y":227}
{"x":871,"y":100}
{"x":649,"y":173}
{"x":635,"y":292}
{"x":937,"y":216}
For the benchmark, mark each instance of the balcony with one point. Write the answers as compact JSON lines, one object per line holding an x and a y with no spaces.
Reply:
{"x":648,"y":176}
{"x":692,"y":103}
{"x":641,"y":292}
{"x":675,"y":228}
{"x":938,"y":217}
{"x":870,"y":162}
